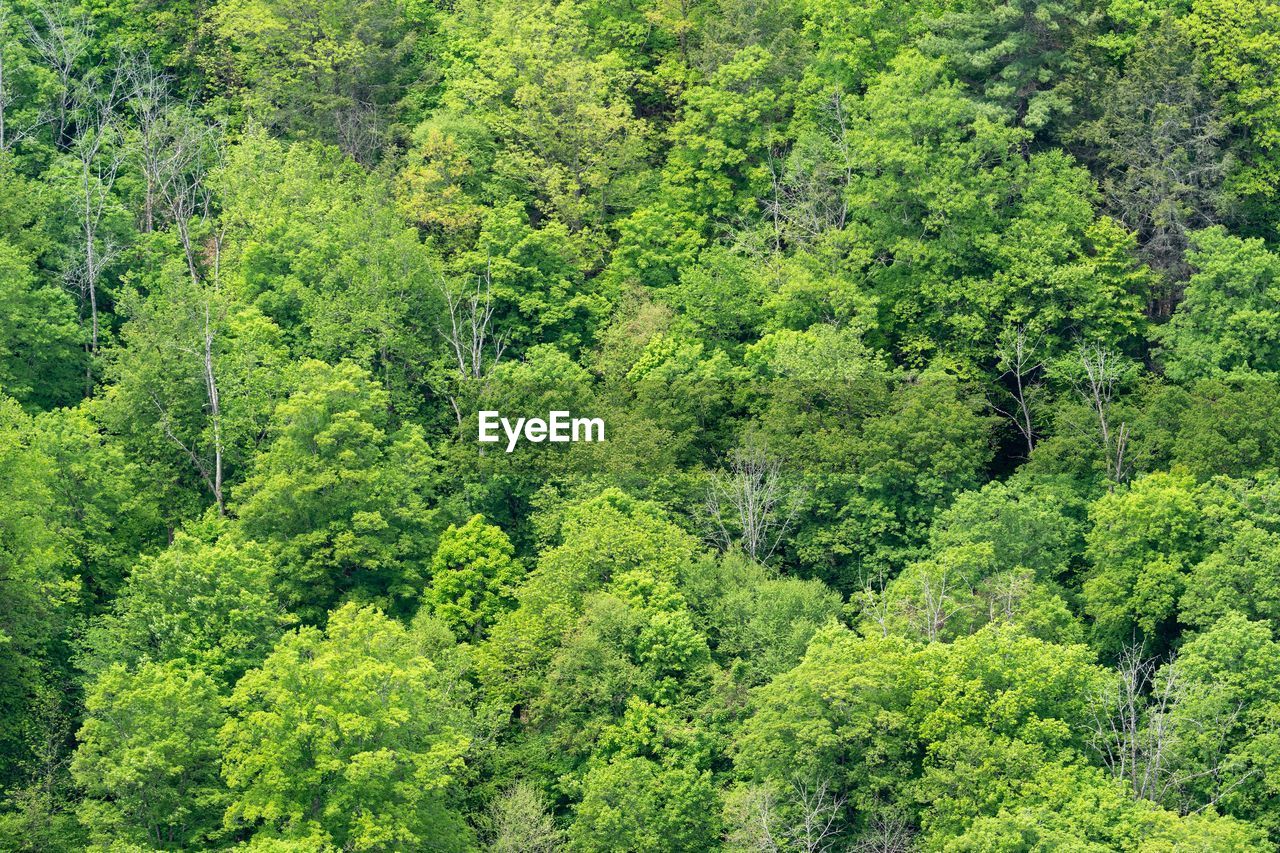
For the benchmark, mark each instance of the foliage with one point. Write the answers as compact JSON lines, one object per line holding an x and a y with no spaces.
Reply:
{"x":938,"y":501}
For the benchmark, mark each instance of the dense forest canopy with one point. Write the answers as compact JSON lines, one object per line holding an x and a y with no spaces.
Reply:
{"x":937,"y":347}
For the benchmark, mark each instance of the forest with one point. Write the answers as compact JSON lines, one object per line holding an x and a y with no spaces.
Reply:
{"x":935,"y":346}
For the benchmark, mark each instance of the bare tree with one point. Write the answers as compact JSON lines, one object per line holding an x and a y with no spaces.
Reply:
{"x":215,"y":407}
{"x":1140,"y":723}
{"x":808,"y":817}
{"x":888,"y":832}
{"x":809,"y":182}
{"x":1005,"y":591}
{"x":1016,"y":356}
{"x":148,"y":99}
{"x":522,"y":822}
{"x":874,"y":604}
{"x":1103,"y":373}
{"x":193,"y":343}
{"x":359,"y":131}
{"x":1133,"y":750}
{"x":754,"y":821}
{"x":476,"y":346}
{"x":98,"y":157}
{"x":817,"y":827}
{"x":194,"y":150}
{"x":938,"y":605}
{"x":61,"y":43}
{"x":750,"y":504}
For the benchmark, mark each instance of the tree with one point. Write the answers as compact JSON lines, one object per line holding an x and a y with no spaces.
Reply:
{"x":522,"y":822}
{"x":757,"y":621}
{"x":961,"y":238}
{"x":205,"y":601}
{"x":350,"y":737}
{"x":749,"y":505}
{"x":41,"y":342}
{"x":638,"y":804}
{"x":1226,"y":322}
{"x":338,"y":497}
{"x":1237,"y":46}
{"x":474,"y":576}
{"x":313,"y":242}
{"x":332,"y":71}
{"x":1160,"y":139}
{"x":602,"y":539}
{"x":1222,"y":721}
{"x":195,"y":383}
{"x":148,"y":756}
{"x":563,"y":126}
{"x":1015,"y":54}
{"x":1143,"y":542}
{"x":38,"y":590}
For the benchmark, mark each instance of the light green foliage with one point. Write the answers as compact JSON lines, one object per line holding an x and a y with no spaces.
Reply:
{"x":648,"y":787}
{"x":1142,"y":543}
{"x":206,"y":601}
{"x":602,"y":539}
{"x":148,"y":756}
{"x":316,"y":246}
{"x":881,"y":725}
{"x":1223,"y":720}
{"x":1241,"y":575}
{"x":938,"y":506}
{"x":326,"y":70}
{"x":1227,"y":321}
{"x":755,"y":619}
{"x":961,"y":589}
{"x":521,"y":822}
{"x":101,"y":501}
{"x":535,"y":277}
{"x":351,"y":737}
{"x":1238,"y":45}
{"x":564,"y":130}
{"x":1029,"y":525}
{"x":340,"y":500}
{"x":798,"y":732}
{"x":1077,"y":808}
{"x":637,"y":804}
{"x":473,"y":577}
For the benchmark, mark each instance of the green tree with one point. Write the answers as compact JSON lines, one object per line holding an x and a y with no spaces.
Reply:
{"x":564,"y":128}
{"x":41,"y":354}
{"x":341,"y":501}
{"x":1237,"y":44}
{"x":1143,"y":542}
{"x":206,"y":601}
{"x":332,"y":71}
{"x":473,"y":577}
{"x":1015,"y":54}
{"x":148,"y":757}
{"x":638,"y":804}
{"x":195,"y":382}
{"x":1226,"y":322}
{"x":315,"y":244}
{"x":351,"y":737}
